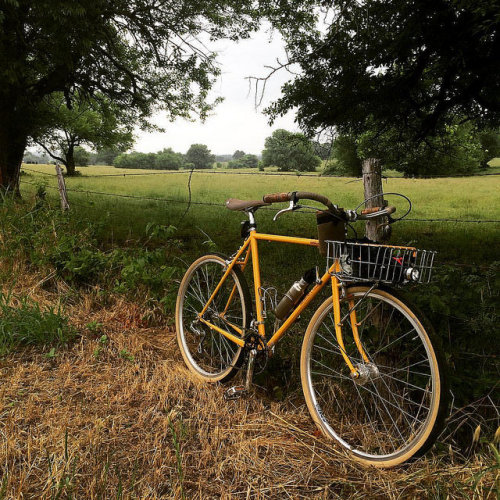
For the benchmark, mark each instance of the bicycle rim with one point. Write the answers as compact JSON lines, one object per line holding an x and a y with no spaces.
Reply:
{"x":206,"y":352}
{"x":386,"y":415}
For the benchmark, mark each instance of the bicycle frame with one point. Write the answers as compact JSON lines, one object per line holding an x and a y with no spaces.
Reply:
{"x":251,"y":247}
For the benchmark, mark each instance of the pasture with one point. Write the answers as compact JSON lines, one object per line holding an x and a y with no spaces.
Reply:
{"x":113,"y":413}
{"x":473,"y":198}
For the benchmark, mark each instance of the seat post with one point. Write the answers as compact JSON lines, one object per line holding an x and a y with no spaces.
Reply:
{"x":251,"y":218}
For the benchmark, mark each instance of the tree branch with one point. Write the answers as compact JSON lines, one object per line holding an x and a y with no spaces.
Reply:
{"x":58,"y":158}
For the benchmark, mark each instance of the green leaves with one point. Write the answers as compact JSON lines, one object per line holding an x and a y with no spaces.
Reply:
{"x":167,"y":159}
{"x":290,"y":151}
{"x":200,"y":156}
{"x":244,"y":161}
{"x":412,"y":66}
{"x":97,"y":122}
{"x":143,"y":56}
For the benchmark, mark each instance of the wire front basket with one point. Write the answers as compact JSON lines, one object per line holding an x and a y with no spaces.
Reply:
{"x":358,"y":261}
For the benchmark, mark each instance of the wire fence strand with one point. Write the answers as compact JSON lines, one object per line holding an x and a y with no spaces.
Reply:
{"x":290,"y":174}
{"x":222,"y":205}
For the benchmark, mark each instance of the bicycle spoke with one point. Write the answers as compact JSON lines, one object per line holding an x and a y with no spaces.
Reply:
{"x":367,"y":413}
{"x":385,"y":401}
{"x":393,"y":396}
{"x":393,"y":342}
{"x":335,"y":375}
{"x":406,"y":383}
{"x":341,"y":375}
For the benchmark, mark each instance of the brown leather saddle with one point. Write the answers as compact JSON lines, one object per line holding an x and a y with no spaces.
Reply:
{"x":245,"y":206}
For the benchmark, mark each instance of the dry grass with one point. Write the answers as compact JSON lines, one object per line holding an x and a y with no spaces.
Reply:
{"x":100,"y":424}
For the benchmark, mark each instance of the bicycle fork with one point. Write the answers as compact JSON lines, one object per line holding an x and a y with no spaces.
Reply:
{"x":336,"y":285}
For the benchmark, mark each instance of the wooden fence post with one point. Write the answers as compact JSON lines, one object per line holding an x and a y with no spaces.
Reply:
{"x":375,"y":229}
{"x":62,"y":188}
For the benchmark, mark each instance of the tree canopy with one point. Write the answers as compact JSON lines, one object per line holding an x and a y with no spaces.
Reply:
{"x":290,"y":151}
{"x":345,"y":158}
{"x":238,"y":154}
{"x":105,"y":156}
{"x":200,"y":156}
{"x":95,"y":122}
{"x":459,"y":149}
{"x":245,"y":161}
{"x":405,"y":65}
{"x":143,"y":55}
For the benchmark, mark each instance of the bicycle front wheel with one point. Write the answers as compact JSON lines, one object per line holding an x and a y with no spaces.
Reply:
{"x":391,"y":412}
{"x":207,"y":353}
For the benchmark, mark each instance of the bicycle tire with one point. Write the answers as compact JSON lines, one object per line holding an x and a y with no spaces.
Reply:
{"x":208,"y":354}
{"x":376,"y":418}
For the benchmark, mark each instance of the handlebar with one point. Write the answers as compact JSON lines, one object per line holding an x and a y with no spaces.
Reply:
{"x":276,"y":197}
{"x":349,"y":215}
{"x":302,"y":195}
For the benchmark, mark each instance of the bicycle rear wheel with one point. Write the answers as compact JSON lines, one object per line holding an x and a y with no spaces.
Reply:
{"x":393,"y":411}
{"x":207,"y":353}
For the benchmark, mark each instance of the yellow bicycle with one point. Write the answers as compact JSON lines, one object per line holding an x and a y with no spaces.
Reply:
{"x":372,"y":379}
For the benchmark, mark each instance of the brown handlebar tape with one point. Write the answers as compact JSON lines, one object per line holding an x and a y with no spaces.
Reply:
{"x":276,"y":197}
{"x":370,"y":210}
{"x":387,"y":210}
{"x":306,"y":195}
{"x":299,"y":195}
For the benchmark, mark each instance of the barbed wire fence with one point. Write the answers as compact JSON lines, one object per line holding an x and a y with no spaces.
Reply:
{"x":191,"y":202}
{"x":260,"y":173}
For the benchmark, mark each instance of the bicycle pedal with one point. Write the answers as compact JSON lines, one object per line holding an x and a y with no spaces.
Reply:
{"x":235,"y":392}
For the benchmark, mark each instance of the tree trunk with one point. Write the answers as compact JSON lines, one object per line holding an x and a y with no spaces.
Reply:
{"x":13,"y":142}
{"x":70,"y":161}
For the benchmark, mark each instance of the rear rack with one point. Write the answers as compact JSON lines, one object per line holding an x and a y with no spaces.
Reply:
{"x":359,"y":261}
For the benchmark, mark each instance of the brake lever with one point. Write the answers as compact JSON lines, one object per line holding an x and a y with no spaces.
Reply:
{"x":290,"y":208}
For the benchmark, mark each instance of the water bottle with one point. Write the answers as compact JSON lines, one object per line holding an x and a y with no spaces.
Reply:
{"x":292,"y":297}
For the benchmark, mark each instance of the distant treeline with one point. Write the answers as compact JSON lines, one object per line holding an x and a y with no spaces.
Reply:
{"x":198,"y":156}
{"x":167,"y":159}
{"x":465,"y":150}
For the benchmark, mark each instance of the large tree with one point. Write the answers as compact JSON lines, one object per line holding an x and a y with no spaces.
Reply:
{"x":200,"y":156}
{"x":238,"y":154}
{"x":408,"y":65}
{"x":142,"y":54}
{"x":290,"y":151}
{"x":94,"y":122}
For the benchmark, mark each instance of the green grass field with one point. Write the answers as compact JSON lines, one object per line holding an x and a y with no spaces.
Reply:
{"x":470,"y":198}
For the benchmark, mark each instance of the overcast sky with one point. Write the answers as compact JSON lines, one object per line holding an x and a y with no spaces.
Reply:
{"x":235,"y":123}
